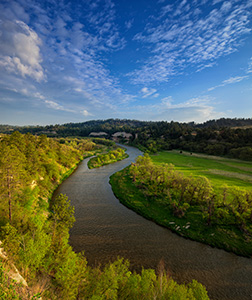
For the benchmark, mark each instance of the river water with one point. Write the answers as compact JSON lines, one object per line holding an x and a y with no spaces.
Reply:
{"x":105,"y":229}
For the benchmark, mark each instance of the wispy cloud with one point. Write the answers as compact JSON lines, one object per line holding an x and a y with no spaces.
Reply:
{"x":129,"y":23}
{"x":68,"y":41}
{"x":102,"y":18}
{"x":148,"y":92}
{"x":196,"y":109}
{"x":56,"y":106}
{"x":177,"y":41}
{"x":230,"y":80}
{"x":249,"y":69}
{"x":70,"y":58}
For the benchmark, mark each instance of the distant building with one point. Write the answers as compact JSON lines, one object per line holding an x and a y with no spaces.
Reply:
{"x":98,"y":134}
{"x":47,"y":132}
{"x":116,"y":136}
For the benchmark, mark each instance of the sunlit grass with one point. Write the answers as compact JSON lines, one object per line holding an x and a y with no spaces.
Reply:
{"x":218,"y":170}
{"x":193,"y":226}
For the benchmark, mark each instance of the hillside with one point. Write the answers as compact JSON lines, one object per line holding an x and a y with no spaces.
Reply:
{"x":223,"y":137}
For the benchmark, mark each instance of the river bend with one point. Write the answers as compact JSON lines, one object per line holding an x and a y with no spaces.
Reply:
{"x":105,"y":229}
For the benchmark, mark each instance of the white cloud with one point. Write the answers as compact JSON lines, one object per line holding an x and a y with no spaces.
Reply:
{"x":102,"y":18}
{"x":166,"y":9}
{"x":129,"y":23}
{"x":181,"y":8}
{"x":148,"y":92}
{"x":197,"y":109}
{"x":20,"y":50}
{"x":216,"y":1}
{"x":204,"y":66}
{"x":230,"y":80}
{"x":72,"y":47}
{"x":86,"y":113}
{"x":234,"y":79}
{"x":178,"y":43}
{"x":226,"y":6}
{"x":249,"y":69}
{"x":167,"y":102}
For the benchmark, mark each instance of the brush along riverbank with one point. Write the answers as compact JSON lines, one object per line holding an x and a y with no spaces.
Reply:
{"x":212,"y":223}
{"x":107,"y":158}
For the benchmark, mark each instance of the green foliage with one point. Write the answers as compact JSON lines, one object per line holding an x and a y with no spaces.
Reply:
{"x":109,"y":283}
{"x":108,"y":158}
{"x":8,"y":287}
{"x":225,"y":137}
{"x":34,"y":247}
{"x":69,"y":271}
{"x":11,"y":240}
{"x":62,"y":213}
{"x":179,"y":202}
{"x":116,"y":281}
{"x":244,"y":153}
{"x":35,"y":233}
{"x":31,"y":167}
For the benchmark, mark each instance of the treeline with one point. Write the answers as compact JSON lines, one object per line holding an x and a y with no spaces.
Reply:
{"x":35,"y":165}
{"x":230,"y":142}
{"x":35,"y":231}
{"x":107,"y":158}
{"x":225,"y":137}
{"x":83,"y":129}
{"x":229,"y":207}
{"x":111,"y":126}
{"x":114,"y":281}
{"x":227,"y":122}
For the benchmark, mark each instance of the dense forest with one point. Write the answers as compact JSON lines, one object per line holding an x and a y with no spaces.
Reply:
{"x":35,"y":230}
{"x":223,"y":137}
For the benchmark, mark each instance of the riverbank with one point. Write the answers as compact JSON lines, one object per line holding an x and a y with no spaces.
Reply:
{"x":192,"y":226}
{"x":106,"y":229}
{"x":107,"y":158}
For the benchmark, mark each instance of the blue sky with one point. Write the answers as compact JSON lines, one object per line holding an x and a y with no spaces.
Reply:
{"x":73,"y":61}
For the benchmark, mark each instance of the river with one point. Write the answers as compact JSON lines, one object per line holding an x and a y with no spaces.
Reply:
{"x":105,"y":229}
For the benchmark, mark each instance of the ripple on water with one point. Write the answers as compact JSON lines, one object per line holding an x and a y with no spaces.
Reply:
{"x":105,"y":229}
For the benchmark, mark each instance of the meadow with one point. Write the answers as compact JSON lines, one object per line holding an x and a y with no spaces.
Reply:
{"x":204,"y":198}
{"x":218,"y":170}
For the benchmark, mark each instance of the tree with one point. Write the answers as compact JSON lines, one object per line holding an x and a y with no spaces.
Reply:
{"x":62,"y":215}
{"x":11,"y":240}
{"x":12,"y":163}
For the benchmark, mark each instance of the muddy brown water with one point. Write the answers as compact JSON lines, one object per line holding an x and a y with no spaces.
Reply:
{"x":105,"y":229}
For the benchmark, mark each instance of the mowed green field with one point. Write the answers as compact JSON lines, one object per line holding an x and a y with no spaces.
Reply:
{"x":220,"y":171}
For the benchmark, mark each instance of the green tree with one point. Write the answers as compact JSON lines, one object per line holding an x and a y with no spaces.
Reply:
{"x":12,"y":166}
{"x":11,"y":241}
{"x":62,"y":215}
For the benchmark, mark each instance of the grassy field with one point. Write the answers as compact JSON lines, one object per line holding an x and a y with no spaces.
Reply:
{"x":217,"y":169}
{"x":220,"y":171}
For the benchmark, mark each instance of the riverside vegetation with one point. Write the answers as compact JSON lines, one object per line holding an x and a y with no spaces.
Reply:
{"x":35,"y":230}
{"x":107,"y":158}
{"x":192,"y":205}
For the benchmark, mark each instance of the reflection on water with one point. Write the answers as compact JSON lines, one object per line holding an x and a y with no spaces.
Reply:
{"x":105,"y":229}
